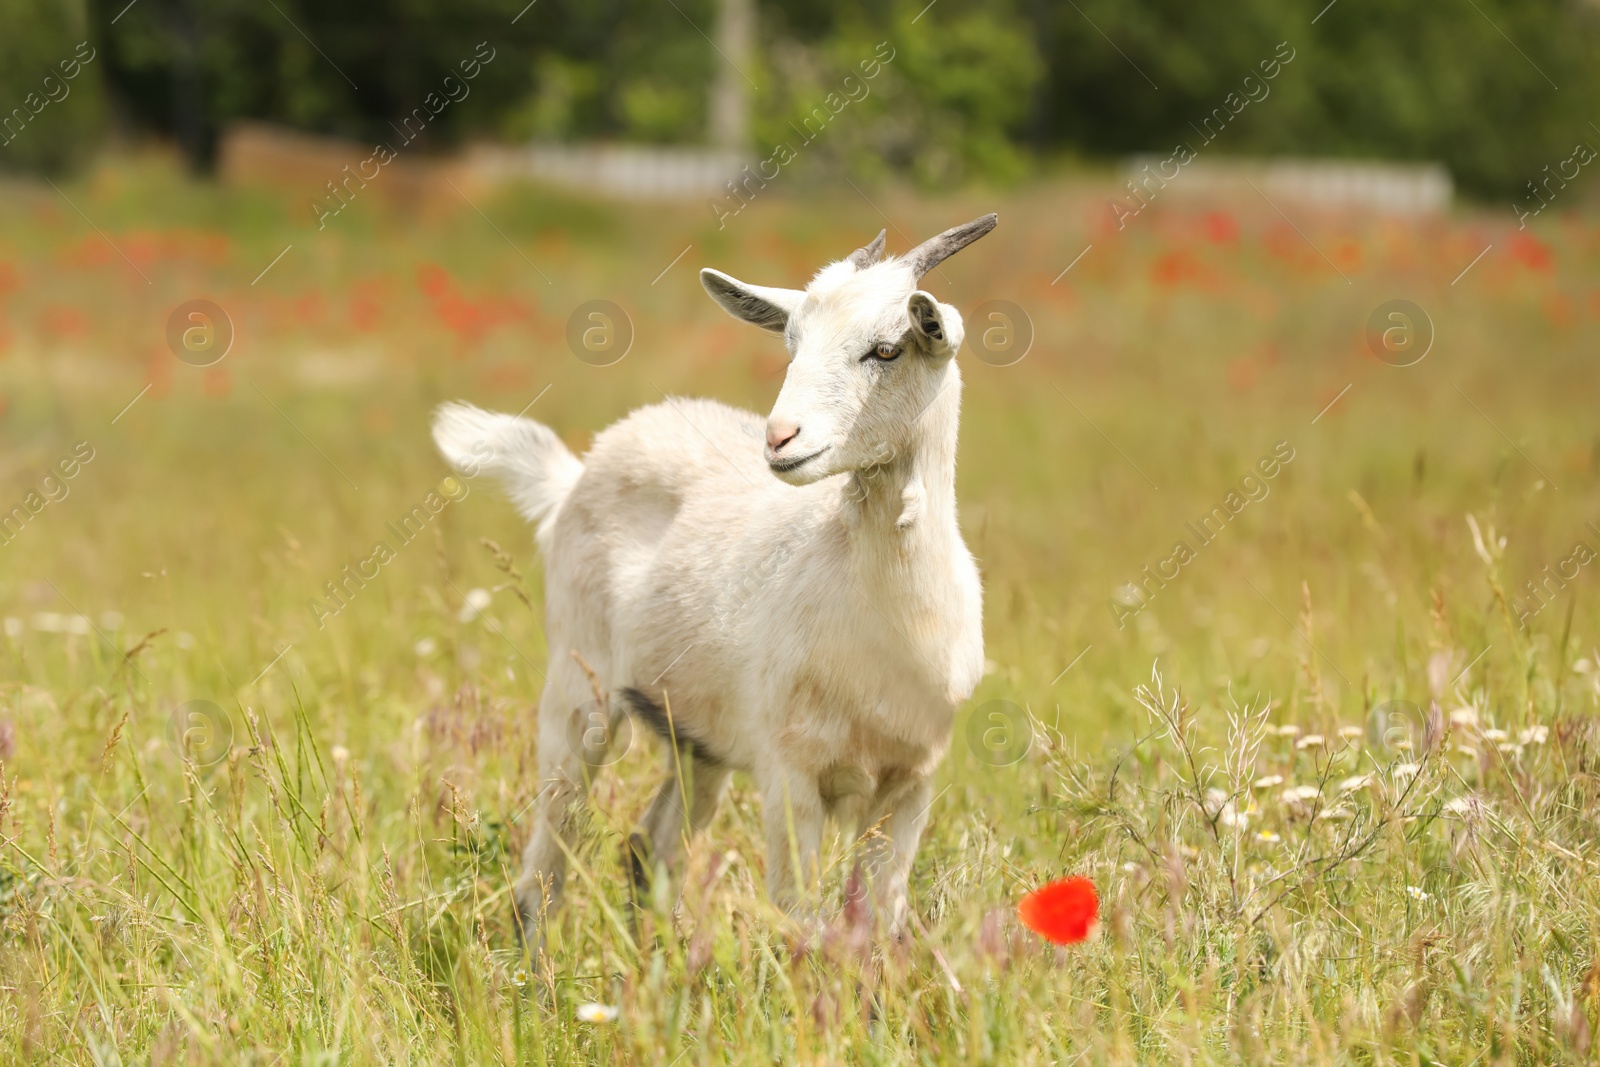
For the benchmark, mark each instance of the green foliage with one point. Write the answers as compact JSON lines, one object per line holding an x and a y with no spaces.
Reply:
{"x":965,"y":81}
{"x":1473,"y":86}
{"x":52,"y":107}
{"x":939,"y":99}
{"x":659,"y":110}
{"x":972,"y":90}
{"x":626,"y":69}
{"x":1477,"y":89}
{"x":188,"y":67}
{"x":562,"y":105}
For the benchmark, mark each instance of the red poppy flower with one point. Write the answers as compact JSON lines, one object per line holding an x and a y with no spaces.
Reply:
{"x":1530,"y":252}
{"x":1219,"y":227}
{"x":1065,"y":912}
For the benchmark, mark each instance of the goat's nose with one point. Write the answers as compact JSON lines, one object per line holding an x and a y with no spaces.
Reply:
{"x":780,"y":432}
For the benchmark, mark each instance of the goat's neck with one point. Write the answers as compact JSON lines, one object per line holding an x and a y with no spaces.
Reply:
{"x":909,"y":502}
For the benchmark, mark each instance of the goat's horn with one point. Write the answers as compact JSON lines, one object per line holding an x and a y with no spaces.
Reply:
{"x":935,"y":250}
{"x":866,"y":257}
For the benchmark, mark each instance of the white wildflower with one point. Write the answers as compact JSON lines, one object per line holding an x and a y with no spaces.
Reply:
{"x":477,"y":600}
{"x":1299,"y":794}
{"x":1465,"y":717}
{"x":1215,"y":798}
{"x":1496,"y":734}
{"x":1534,"y":735}
{"x":1509,"y":749}
{"x":425,"y":647}
{"x":1494,"y":548}
{"x":1311,"y":741}
{"x":50,"y":622}
{"x":1268,"y":837}
{"x":1405,"y":770}
{"x":1268,"y":782}
{"x":1288,"y":729}
{"x":13,"y":626}
{"x":1360,"y":781}
{"x":1235,"y":819}
{"x":1417,"y":892}
{"x":1583,"y":666}
{"x":597,"y":1013}
{"x":1129,"y":595}
{"x":1351,"y":733}
{"x":1465,"y":806}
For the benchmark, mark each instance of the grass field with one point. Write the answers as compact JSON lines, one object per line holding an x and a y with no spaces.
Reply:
{"x":1337,"y":780}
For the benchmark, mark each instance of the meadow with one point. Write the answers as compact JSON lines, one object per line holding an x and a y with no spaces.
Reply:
{"x":1334,"y":766}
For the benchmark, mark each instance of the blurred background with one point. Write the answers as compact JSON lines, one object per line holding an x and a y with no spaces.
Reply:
{"x":246,"y":247}
{"x":974,"y":92}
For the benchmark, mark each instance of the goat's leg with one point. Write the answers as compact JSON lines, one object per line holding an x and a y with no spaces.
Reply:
{"x":793,"y":812}
{"x":571,"y":747}
{"x":665,"y":828}
{"x":899,"y":814}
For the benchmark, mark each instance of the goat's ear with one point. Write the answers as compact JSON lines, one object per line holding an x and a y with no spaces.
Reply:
{"x":766,"y":307}
{"x":934,"y":324}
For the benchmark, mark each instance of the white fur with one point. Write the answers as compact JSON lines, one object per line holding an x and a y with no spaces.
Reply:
{"x":528,"y":459}
{"x":817,"y":629}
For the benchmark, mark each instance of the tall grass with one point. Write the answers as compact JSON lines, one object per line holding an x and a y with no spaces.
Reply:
{"x":1350,"y":816}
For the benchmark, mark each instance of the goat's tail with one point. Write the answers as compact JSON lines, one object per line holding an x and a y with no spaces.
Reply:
{"x":535,"y":468}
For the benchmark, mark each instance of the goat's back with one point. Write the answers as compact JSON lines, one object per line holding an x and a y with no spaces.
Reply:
{"x":671,"y":499}
{"x":678,"y":447}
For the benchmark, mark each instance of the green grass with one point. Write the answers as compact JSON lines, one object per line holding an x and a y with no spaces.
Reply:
{"x":335,"y":887}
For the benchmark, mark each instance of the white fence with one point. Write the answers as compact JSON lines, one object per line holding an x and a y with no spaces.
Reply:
{"x":1387,"y":188}
{"x":633,"y":172}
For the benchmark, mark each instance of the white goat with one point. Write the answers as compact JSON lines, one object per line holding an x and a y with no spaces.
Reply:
{"x":817,"y":629}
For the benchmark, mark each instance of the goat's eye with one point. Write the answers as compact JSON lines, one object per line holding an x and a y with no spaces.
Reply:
{"x":883,"y":352}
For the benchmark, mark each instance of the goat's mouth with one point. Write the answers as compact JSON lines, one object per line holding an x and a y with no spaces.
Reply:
{"x":784,"y":466}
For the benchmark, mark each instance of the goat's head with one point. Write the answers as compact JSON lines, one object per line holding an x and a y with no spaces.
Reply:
{"x":868,"y":353}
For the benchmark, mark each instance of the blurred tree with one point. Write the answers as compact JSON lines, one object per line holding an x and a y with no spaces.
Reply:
{"x":50,"y":85}
{"x":346,"y":67}
{"x":942,"y":99}
{"x":730,"y":92}
{"x":961,"y":86}
{"x":619,"y":69}
{"x":1471,"y":83}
